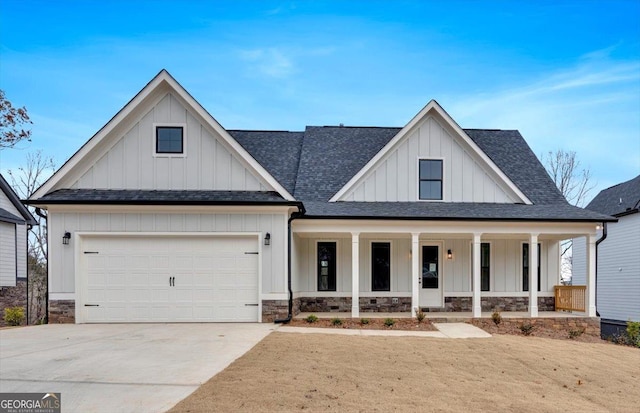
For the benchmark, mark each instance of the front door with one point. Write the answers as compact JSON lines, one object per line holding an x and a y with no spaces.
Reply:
{"x":431,"y":279}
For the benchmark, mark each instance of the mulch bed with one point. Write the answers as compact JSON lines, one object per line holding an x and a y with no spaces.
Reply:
{"x":373,"y":324}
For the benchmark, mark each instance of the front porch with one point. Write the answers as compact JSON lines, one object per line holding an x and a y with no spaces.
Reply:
{"x":457,"y":270}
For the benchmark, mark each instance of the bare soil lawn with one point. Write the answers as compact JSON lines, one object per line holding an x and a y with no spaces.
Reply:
{"x":289,"y":372}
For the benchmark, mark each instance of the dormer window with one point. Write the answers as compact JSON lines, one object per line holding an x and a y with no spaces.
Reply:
{"x":430,"y":186}
{"x":169,"y":140}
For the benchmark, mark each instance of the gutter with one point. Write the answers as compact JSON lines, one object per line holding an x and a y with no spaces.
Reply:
{"x":46,"y":296}
{"x":602,"y":238}
{"x":293,"y":216}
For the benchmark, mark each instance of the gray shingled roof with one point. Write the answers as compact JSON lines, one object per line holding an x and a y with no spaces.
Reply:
{"x":6,"y":216}
{"x":619,"y":199}
{"x":315,"y":164}
{"x":165,"y":197}
{"x":511,"y":153}
{"x":15,"y":200}
{"x":277,"y":151}
{"x":331,"y":155}
{"x":450,"y":210}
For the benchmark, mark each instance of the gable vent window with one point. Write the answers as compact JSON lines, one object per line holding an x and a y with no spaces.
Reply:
{"x":169,"y":139}
{"x":430,"y":179}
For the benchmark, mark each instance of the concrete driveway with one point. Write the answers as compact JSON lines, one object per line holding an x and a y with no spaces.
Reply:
{"x":120,"y":367}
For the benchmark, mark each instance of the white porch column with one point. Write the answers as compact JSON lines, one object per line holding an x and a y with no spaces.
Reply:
{"x":591,"y":276}
{"x":355,"y":274}
{"x":415,"y":272}
{"x":477,"y":301}
{"x":533,"y":275}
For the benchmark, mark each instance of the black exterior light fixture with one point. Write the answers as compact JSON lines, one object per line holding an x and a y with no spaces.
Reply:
{"x":267,"y":239}
{"x":66,"y":237}
{"x":449,"y":255}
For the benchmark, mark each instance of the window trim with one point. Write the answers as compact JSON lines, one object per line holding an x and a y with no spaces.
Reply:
{"x":315,"y":261}
{"x":391,"y":264}
{"x":540,"y":249}
{"x":154,"y":140}
{"x":430,"y":158}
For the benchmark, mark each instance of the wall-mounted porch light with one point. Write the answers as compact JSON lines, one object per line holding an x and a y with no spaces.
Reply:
{"x":449,"y":255}
{"x":65,"y":238}
{"x":267,"y":239}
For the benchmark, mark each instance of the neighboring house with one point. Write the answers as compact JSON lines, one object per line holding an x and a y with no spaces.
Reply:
{"x":164,"y":215}
{"x":618,"y":266}
{"x":15,"y":221}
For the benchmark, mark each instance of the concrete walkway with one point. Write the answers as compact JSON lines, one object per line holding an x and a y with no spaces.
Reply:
{"x":445,"y":330}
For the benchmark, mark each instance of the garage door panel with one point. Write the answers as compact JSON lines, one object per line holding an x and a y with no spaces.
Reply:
{"x":164,"y":279}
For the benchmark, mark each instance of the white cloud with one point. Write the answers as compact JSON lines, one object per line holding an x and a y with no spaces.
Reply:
{"x":270,"y":62}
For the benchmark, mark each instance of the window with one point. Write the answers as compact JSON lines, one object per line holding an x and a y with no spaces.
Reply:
{"x":326,"y":266}
{"x":485,"y":266}
{"x":525,"y":267}
{"x":430,"y":179}
{"x":430,"y":273}
{"x":169,"y":139}
{"x":380,"y":266}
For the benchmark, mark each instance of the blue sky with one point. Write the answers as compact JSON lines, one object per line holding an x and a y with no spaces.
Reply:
{"x":564,"y":73}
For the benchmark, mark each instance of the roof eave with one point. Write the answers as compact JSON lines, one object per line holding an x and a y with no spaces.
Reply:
{"x":418,"y":218}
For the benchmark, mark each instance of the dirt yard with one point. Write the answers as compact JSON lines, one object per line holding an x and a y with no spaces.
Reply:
{"x":289,"y":372}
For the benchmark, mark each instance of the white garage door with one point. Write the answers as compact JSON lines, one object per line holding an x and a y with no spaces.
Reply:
{"x":169,"y":279}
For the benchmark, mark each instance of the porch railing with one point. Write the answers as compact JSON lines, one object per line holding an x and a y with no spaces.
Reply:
{"x":571,"y":297}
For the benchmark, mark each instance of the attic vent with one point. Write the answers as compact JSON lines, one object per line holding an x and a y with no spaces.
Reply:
{"x":342,"y":125}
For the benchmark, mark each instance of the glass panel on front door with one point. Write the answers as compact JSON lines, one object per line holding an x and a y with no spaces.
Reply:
{"x":430,"y":266}
{"x":326,"y":266}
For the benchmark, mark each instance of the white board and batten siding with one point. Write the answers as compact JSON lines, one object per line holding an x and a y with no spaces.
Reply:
{"x":207,"y":162}
{"x":618,"y":269}
{"x":466,"y":178}
{"x":13,"y":247}
{"x":506,"y":267}
{"x":273,"y":260}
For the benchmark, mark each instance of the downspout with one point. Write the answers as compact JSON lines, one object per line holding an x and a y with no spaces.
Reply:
{"x":293,"y":216}
{"x":46,"y":296}
{"x":602,"y":238}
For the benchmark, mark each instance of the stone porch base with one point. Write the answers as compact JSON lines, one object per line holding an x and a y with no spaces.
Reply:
{"x":461,"y":304}
{"x":62,"y":311}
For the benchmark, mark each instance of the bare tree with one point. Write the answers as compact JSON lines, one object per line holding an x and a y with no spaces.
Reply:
{"x":11,"y":122}
{"x":25,"y":181}
{"x":575,"y":184}
{"x":573,"y":181}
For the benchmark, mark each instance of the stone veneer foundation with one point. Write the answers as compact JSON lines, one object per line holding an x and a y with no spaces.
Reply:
{"x":403,"y":304}
{"x":278,"y":309}
{"x":462,"y":304}
{"x":13,"y":297}
{"x":62,"y":311}
{"x":343,"y":304}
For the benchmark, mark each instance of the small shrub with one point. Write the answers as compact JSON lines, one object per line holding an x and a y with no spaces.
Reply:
{"x":420,"y":315}
{"x":526,"y":328}
{"x":389,"y":322}
{"x":633,"y":333}
{"x":364,"y":321}
{"x":311,"y":318}
{"x":576,"y":332}
{"x":496,"y":317}
{"x":14,"y":316}
{"x":336,"y":322}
